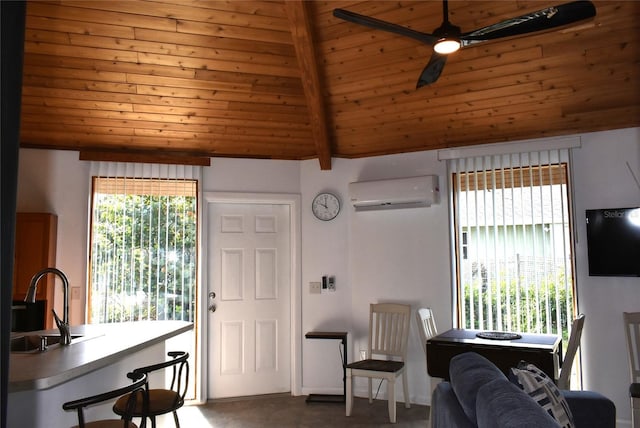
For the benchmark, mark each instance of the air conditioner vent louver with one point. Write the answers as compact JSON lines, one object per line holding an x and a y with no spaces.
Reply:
{"x":410,"y":192}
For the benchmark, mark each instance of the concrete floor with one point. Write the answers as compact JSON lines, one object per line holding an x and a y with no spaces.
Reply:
{"x":285,"y":411}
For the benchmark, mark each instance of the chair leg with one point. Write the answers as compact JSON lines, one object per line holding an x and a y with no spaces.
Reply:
{"x":349,"y":393}
{"x":391,"y":398}
{"x":370,"y":383}
{"x":175,"y":418}
{"x":405,"y":390}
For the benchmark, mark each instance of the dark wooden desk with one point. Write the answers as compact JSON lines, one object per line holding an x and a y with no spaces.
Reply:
{"x":543,"y":350}
{"x":331,"y":398}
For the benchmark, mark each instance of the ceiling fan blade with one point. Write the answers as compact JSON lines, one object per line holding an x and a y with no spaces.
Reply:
{"x":383,"y":25}
{"x":544,"y":19}
{"x":432,"y":71}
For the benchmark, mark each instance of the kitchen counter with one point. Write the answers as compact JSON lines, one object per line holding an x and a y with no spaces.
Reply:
{"x":101,"y":346}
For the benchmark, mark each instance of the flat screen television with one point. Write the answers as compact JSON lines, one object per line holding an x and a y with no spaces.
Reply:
{"x":613,"y":241}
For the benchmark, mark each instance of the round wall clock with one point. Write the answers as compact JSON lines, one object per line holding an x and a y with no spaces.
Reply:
{"x":325,"y":206}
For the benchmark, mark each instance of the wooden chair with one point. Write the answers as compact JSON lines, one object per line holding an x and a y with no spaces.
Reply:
{"x":426,"y":326}
{"x":632,"y":330}
{"x":564,"y":381}
{"x":426,"y":329}
{"x":388,"y":335}
{"x":161,"y":400}
{"x":134,"y":391}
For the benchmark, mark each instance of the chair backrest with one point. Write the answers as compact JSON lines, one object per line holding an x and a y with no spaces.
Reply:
{"x":426,"y":326}
{"x":389,"y":329}
{"x":140,"y":381}
{"x":572,"y":347}
{"x":632,"y":330}
{"x":180,"y":371}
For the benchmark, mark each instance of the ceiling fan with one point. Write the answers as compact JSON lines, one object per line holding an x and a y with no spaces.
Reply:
{"x":448,"y":38}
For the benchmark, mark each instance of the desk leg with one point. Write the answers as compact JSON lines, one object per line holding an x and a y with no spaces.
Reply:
{"x":344,"y":369}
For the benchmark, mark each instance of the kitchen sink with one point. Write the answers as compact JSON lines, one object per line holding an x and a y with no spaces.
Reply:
{"x":37,"y":342}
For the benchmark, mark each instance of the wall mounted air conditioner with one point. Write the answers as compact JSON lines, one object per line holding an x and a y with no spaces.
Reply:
{"x":410,"y":192}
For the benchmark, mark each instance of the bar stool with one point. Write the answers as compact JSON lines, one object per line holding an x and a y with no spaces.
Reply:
{"x":161,"y":400}
{"x":134,"y":391}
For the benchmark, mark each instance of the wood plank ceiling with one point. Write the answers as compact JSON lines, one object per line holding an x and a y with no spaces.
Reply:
{"x":184,"y":79}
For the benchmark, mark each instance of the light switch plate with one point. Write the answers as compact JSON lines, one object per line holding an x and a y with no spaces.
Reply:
{"x":315,"y":287}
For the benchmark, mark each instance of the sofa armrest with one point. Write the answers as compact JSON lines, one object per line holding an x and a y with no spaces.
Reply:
{"x":445,"y":409}
{"x":591,"y":409}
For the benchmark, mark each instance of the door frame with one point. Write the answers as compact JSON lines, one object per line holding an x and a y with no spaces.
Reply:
{"x":293,"y":202}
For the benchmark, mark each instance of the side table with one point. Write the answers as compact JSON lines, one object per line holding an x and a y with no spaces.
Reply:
{"x":331,"y":398}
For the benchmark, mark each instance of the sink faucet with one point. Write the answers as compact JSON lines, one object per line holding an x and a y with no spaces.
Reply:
{"x":63,"y":325}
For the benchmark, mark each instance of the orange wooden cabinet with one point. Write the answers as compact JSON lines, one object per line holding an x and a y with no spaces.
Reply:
{"x":35,"y":249}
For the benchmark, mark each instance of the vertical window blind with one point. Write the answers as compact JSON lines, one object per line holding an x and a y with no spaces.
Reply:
{"x":513,"y":242}
{"x":143,"y":249}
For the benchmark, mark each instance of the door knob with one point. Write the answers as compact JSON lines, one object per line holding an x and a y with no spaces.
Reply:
{"x":212,"y":305}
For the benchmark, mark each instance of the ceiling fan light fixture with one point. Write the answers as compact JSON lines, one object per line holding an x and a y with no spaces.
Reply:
{"x":446,"y":45}
{"x":448,"y":38}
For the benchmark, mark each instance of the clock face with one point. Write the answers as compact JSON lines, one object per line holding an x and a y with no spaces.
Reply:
{"x":325,"y":206}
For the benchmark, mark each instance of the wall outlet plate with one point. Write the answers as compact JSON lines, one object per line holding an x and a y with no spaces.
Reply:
{"x":332,"y":284}
{"x":315,"y":287}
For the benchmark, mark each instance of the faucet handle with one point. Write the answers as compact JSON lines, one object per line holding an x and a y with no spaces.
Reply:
{"x":65,"y":334}
{"x":57,"y":318}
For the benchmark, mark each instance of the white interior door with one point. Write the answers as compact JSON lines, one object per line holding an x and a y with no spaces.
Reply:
{"x":249,"y":269}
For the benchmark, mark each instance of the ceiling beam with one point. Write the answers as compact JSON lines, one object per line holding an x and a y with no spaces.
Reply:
{"x":303,"y":42}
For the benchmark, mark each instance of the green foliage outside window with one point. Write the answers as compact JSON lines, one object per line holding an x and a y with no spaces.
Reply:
{"x":143,"y":257}
{"x":527,"y":306}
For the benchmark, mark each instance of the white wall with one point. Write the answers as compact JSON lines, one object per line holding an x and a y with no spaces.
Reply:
{"x":375,"y":256}
{"x":602,"y":179}
{"x":400,"y":255}
{"x":57,"y":182}
{"x":325,"y":247}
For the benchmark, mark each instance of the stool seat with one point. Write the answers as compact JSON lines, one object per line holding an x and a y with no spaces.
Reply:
{"x":377,"y":365}
{"x":108,"y":423}
{"x":161,"y":401}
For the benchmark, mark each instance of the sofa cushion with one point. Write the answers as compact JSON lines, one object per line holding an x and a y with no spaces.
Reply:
{"x":502,"y":404}
{"x":467,"y":373}
{"x":542,"y":389}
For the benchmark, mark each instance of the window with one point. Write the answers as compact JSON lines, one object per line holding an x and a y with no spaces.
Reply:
{"x":143,"y":258}
{"x":512,"y":240}
{"x":464,"y":245}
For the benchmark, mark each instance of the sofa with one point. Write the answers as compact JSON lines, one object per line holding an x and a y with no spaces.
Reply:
{"x":479,"y":395}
